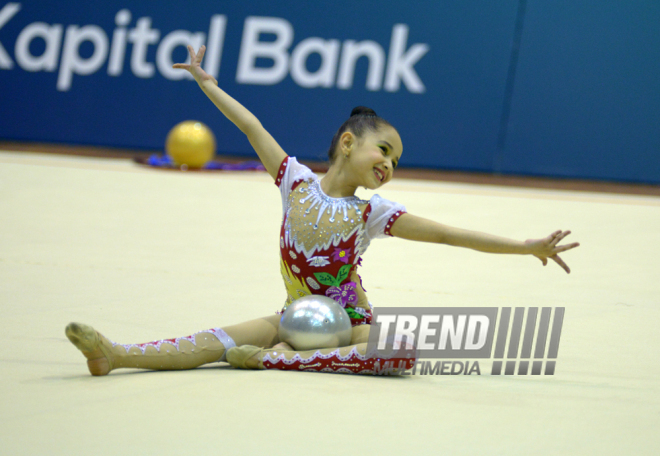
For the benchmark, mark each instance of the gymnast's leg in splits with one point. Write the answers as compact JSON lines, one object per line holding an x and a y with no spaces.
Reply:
{"x":253,"y":344}
{"x":352,"y":359}
{"x":188,"y":352}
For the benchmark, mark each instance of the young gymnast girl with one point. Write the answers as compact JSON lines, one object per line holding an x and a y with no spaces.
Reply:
{"x":325,"y":231}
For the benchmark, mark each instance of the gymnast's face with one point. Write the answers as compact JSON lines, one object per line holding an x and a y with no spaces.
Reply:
{"x":372,"y":157}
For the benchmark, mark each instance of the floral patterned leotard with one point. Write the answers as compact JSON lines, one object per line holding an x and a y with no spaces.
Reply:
{"x":322,"y":239}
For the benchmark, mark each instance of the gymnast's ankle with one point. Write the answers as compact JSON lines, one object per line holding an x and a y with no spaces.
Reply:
{"x":245,"y":357}
{"x":282,"y":346}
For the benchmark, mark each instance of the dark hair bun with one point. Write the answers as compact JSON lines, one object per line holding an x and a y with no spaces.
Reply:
{"x":363,"y":111}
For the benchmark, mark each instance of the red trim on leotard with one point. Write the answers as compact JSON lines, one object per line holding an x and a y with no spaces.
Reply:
{"x":281,"y":170}
{"x":391,"y":221}
{"x":367,"y":212}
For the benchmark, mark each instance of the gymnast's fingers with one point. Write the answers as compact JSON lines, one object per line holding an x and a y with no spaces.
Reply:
{"x":191,"y":52}
{"x":200,"y":53}
{"x":561,"y":263}
{"x":563,"y":248}
{"x":558,"y":237}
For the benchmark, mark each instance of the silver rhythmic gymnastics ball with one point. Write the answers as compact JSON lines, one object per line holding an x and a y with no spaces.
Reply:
{"x":315,"y":321}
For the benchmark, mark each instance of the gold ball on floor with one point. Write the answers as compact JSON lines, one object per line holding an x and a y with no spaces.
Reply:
{"x":190,"y":144}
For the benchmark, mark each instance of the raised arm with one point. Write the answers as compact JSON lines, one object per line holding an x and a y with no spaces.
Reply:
{"x":419,"y":229}
{"x":270,"y":153}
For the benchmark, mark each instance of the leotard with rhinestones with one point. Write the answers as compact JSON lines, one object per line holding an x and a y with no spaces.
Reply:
{"x":322,"y":239}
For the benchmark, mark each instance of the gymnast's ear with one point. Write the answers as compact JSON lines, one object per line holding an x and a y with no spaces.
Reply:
{"x":346,"y":143}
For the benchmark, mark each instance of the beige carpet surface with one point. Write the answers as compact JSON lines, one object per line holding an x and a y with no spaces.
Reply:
{"x":143,"y":254}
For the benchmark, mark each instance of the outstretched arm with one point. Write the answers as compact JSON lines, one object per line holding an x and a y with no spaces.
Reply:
{"x":419,"y":229}
{"x":270,"y":153}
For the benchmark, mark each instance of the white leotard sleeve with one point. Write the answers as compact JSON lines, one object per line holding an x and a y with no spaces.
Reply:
{"x":291,"y":171}
{"x":383,"y":213}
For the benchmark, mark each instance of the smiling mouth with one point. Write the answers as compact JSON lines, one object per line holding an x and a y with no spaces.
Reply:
{"x":379,"y":175}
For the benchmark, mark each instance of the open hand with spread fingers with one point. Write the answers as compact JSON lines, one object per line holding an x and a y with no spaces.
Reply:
{"x":195,"y":66}
{"x":547,"y":248}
